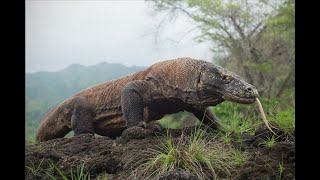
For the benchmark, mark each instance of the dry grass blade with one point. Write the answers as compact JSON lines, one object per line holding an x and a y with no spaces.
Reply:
{"x":263,"y":115}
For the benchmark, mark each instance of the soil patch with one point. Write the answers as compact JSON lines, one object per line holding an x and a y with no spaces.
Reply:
{"x":117,"y":158}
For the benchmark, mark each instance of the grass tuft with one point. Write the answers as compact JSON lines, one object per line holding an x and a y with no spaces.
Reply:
{"x":35,"y":169}
{"x":285,"y":119}
{"x":226,"y":138}
{"x":239,"y":157}
{"x":103,"y":176}
{"x":195,"y":153}
{"x":270,"y":141}
{"x":79,"y":174}
{"x":239,"y":125}
{"x":54,"y":167}
{"x":280,"y":169}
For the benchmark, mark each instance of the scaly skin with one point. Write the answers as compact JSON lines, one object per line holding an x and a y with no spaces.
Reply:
{"x":167,"y":87}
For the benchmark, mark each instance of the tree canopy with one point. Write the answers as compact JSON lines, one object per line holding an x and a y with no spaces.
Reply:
{"x":254,"y":38}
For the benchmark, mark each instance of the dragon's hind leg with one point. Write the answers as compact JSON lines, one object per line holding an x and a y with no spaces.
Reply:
{"x":82,"y":116}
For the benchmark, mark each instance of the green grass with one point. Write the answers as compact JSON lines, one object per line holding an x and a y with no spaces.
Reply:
{"x":236,"y":125}
{"x":168,"y":122}
{"x":269,"y":142}
{"x":196,"y":153}
{"x":238,"y":157}
{"x":281,"y":113}
{"x":239,"y":139}
{"x":54,"y":167}
{"x":226,"y":110}
{"x":30,"y":141}
{"x":40,"y":148}
{"x":226,"y":139}
{"x":103,"y":176}
{"x":35,"y":170}
{"x":175,"y":121}
{"x":237,"y":118}
{"x":280,"y":169}
{"x":285,"y":119}
{"x":240,"y":125}
{"x":79,"y":174}
{"x":279,"y":173}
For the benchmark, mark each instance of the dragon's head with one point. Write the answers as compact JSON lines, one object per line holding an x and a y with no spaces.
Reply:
{"x":219,"y":82}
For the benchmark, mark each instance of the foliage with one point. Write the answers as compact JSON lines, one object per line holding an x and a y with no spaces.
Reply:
{"x":255,"y":39}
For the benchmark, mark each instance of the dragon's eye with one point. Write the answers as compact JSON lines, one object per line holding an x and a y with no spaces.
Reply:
{"x":225,"y":77}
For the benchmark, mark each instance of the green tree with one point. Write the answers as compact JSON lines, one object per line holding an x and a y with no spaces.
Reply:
{"x":255,"y":39}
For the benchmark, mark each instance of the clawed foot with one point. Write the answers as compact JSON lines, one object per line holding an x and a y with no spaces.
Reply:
{"x":84,"y":134}
{"x":142,"y":124}
{"x":155,"y":127}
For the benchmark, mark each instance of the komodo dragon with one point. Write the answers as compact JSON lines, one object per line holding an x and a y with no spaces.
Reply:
{"x":167,"y":87}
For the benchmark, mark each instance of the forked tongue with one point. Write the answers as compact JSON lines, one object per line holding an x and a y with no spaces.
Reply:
{"x":263,"y":115}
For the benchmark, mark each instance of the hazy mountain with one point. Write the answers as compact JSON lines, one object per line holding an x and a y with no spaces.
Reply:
{"x":44,"y":90}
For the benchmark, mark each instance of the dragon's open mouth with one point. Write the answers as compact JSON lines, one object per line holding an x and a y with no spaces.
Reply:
{"x":233,"y":98}
{"x":243,"y":100}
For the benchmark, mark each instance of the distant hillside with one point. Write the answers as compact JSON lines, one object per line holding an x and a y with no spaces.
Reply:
{"x":44,"y":90}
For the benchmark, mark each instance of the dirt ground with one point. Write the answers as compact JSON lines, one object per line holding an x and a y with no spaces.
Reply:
{"x":117,"y":158}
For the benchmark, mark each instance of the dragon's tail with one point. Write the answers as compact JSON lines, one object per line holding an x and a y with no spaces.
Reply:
{"x":52,"y":126}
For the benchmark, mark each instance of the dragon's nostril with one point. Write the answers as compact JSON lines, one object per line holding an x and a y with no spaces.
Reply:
{"x":249,"y":89}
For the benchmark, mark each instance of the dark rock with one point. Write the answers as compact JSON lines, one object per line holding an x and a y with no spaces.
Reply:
{"x":177,"y":175}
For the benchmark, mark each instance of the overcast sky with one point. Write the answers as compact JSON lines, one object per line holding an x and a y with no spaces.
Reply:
{"x":59,"y":33}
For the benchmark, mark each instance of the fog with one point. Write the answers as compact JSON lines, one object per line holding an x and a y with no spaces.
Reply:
{"x":60,"y":33}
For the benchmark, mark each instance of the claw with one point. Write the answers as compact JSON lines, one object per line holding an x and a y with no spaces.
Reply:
{"x":142,"y":124}
{"x":159,"y":129}
{"x":154,"y":127}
